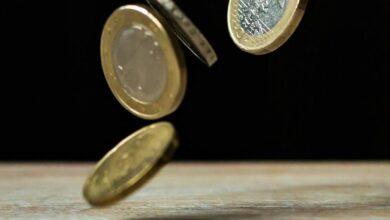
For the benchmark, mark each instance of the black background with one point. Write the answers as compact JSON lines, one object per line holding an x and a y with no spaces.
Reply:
{"x":323,"y":95}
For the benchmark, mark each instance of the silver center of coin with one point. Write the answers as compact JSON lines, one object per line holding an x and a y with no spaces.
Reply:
{"x":140,"y":63}
{"x":260,"y":16}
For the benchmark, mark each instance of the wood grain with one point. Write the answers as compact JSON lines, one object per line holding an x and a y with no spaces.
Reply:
{"x":206,"y":191}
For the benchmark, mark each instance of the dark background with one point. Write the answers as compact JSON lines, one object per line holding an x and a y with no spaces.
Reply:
{"x":323,"y":95}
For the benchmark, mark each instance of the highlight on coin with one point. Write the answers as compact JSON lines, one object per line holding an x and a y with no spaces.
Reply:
{"x":130,"y":164}
{"x":262,"y":26}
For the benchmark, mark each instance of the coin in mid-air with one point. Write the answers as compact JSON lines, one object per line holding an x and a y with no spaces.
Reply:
{"x":130,"y":164}
{"x":142,"y":62}
{"x":262,"y":26}
{"x":185,"y":30}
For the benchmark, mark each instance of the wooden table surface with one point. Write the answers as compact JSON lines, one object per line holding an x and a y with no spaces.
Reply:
{"x":206,"y":191}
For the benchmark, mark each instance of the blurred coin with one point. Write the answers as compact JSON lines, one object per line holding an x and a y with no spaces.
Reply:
{"x":186,"y":31}
{"x":142,"y":62}
{"x":130,"y":164}
{"x":262,"y":26}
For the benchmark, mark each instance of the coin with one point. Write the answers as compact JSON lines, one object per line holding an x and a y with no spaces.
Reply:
{"x":185,"y":30}
{"x":262,"y":26}
{"x":130,"y":164}
{"x":142,"y":62}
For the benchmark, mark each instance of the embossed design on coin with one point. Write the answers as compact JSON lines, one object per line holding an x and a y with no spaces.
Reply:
{"x":260,"y":16}
{"x":262,"y":26}
{"x":132,"y":162}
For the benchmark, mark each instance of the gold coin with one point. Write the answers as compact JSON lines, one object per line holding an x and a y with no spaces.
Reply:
{"x":262,"y":26}
{"x":185,"y":30}
{"x":130,"y":164}
{"x":142,"y":62}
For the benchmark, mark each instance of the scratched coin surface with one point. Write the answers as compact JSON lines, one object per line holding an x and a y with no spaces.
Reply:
{"x":130,"y":164}
{"x":262,"y":26}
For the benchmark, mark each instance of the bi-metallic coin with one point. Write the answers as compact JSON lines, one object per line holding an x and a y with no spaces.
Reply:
{"x":262,"y":26}
{"x":130,"y":164}
{"x":142,"y":62}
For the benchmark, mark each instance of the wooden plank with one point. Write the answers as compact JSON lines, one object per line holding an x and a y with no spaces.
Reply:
{"x":206,"y":191}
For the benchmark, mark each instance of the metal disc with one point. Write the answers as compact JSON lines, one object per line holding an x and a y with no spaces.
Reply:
{"x":142,"y":62}
{"x":130,"y":164}
{"x":262,"y":26}
{"x":185,"y":30}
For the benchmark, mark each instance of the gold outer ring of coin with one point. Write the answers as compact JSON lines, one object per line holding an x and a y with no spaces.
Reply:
{"x":173,"y":94}
{"x":133,"y":162}
{"x":274,"y":38}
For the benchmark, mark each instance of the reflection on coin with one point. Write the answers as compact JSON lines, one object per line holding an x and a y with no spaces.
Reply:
{"x":142,"y":62}
{"x":185,"y":30}
{"x":130,"y":164}
{"x":262,"y":26}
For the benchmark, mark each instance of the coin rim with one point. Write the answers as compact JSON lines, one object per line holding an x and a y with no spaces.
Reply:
{"x":176,"y":75}
{"x":130,"y":186}
{"x":279,"y":34}
{"x":187,"y":32}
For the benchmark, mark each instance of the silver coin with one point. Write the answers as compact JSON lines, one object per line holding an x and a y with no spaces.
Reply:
{"x":258,"y":17}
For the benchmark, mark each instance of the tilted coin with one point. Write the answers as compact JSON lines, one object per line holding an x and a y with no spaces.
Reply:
{"x":142,"y":62}
{"x":130,"y":164}
{"x":187,"y":32}
{"x":262,"y":26}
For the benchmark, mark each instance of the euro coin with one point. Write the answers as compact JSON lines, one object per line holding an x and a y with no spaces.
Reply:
{"x":130,"y":164}
{"x":185,"y":30}
{"x":142,"y":62}
{"x":262,"y":26}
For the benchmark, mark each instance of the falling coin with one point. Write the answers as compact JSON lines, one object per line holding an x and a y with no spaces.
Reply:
{"x":142,"y":63}
{"x":186,"y":31}
{"x":262,"y":26}
{"x":130,"y":164}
